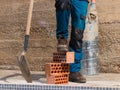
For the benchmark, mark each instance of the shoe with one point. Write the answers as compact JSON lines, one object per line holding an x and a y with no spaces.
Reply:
{"x":62,"y":45}
{"x":77,"y":77}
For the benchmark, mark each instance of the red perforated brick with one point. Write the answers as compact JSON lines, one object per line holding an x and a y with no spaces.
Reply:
{"x":56,"y":68}
{"x":57,"y":79}
{"x":63,"y":57}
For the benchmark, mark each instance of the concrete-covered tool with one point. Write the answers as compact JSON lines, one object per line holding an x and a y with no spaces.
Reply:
{"x":23,"y":63}
{"x":90,"y":50}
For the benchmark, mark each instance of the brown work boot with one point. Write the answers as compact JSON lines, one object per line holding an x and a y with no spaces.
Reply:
{"x":62,"y":45}
{"x":77,"y":77}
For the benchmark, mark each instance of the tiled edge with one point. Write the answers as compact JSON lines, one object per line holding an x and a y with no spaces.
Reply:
{"x":51,"y":87}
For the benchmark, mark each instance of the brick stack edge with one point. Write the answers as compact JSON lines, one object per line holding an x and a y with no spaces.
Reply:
{"x":57,"y":72}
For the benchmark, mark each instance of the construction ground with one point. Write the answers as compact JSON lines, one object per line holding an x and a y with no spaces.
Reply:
{"x":13,"y":17}
{"x":100,"y":80}
{"x":42,"y":37}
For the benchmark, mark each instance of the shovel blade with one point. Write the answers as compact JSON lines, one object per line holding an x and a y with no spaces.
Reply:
{"x":24,"y":67}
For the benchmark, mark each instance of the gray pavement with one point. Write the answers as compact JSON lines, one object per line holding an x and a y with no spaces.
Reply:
{"x":100,"y":80}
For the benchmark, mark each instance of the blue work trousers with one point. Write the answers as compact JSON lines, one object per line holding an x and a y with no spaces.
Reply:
{"x":78,"y":13}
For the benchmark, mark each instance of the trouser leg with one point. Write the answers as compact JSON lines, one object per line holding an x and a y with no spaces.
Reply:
{"x":78,"y":14}
{"x":62,"y":18}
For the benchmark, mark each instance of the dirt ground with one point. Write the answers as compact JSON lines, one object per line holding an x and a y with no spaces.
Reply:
{"x":42,"y":40}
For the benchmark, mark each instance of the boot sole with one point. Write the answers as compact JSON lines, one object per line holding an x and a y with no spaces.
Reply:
{"x":62,"y":48}
{"x":77,"y":81}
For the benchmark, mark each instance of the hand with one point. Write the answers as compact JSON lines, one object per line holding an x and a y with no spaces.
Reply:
{"x":92,"y":1}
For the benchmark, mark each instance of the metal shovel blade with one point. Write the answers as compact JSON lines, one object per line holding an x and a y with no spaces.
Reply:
{"x":24,"y":67}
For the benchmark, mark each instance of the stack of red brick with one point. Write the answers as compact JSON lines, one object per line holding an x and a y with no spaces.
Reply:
{"x":57,"y":72}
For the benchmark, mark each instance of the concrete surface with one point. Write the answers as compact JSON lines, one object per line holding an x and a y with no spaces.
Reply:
{"x":101,"y":80}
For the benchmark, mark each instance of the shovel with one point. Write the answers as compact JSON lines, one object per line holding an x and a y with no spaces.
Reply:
{"x":22,"y":62}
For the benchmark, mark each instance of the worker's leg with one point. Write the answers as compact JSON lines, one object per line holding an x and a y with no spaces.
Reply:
{"x":78,"y":14}
{"x":62,"y":20}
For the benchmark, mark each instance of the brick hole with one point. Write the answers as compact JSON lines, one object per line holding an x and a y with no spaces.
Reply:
{"x":58,"y":65}
{"x":62,"y":65}
{"x":60,"y":71}
{"x":51,"y":71}
{"x":63,"y":68}
{"x":65,"y":65}
{"x":54,"y":71}
{"x":55,"y":65}
{"x":53,"y":68}
{"x":58,"y":56}
{"x":66,"y":68}
{"x":60,"y":82}
{"x":57,"y":80}
{"x":52,"y":65}
{"x":65,"y":82}
{"x":56,"y":68}
{"x":60,"y":68}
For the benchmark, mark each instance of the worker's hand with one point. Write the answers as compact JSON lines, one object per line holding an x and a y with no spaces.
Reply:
{"x":92,"y":1}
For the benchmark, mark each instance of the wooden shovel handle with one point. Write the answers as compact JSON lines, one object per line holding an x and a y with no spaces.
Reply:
{"x":29,"y":17}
